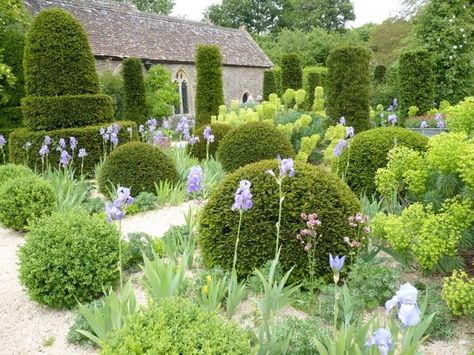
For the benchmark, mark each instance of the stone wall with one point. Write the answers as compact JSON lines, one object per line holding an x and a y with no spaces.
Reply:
{"x":237,"y":80}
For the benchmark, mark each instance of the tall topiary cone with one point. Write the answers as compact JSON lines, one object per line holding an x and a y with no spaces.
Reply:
{"x":60,"y":75}
{"x":210,"y":87}
{"x":134,"y":84}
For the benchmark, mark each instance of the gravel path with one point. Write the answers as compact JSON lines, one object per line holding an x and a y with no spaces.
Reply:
{"x":29,"y":328}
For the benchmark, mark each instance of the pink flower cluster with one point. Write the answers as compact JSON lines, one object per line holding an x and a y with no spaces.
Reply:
{"x":307,"y":237}
{"x":360,"y":220}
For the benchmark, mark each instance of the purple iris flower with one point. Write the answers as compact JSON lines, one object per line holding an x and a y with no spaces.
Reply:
{"x":395,"y":102}
{"x":405,"y":300}
{"x":152,"y":123}
{"x":124,"y":197}
{"x":424,"y":124}
{"x":3,"y":141}
{"x":82,"y":153}
{"x":336,"y":263}
{"x":342,"y":121}
{"x":440,"y":124}
{"x":350,"y":132}
{"x":183,"y":127}
{"x":114,"y":138}
{"x":390,"y":108}
{"x":243,"y":197}
{"x":43,"y":150}
{"x":158,"y":137}
{"x":62,"y":143}
{"x":208,"y":134}
{"x":47,"y":140}
{"x":438,"y":116}
{"x":64,"y":159}
{"x":166,"y":124}
{"x":286,"y":167}
{"x":340,"y":146}
{"x":141,"y":128}
{"x":73,"y":143}
{"x":195,"y":179}
{"x":392,"y":118}
{"x":194,"y":140}
{"x":113,"y":212}
{"x":383,"y":339}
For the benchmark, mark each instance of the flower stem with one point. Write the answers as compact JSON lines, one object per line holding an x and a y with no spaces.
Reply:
{"x":336,"y":308}
{"x":280,"y":194}
{"x":237,"y":241}
{"x":120,"y":255}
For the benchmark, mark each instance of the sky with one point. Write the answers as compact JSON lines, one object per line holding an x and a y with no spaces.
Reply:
{"x":366,"y":10}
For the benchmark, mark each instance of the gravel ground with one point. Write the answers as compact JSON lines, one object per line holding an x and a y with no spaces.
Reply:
{"x":29,"y":328}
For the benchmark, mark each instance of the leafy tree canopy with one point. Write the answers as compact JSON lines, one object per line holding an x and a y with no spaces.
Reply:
{"x":160,"y":92}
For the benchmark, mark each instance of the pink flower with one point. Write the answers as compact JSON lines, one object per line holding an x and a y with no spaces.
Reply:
{"x":367,"y":229}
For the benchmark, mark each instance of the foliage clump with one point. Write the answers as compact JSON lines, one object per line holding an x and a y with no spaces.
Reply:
{"x":368,"y":152}
{"x":458,"y":292}
{"x":177,"y":326}
{"x":209,"y":87}
{"x":252,"y":142}
{"x":311,"y":190}
{"x":348,"y":86}
{"x":291,"y":72}
{"x":137,"y":166}
{"x":313,"y":77}
{"x":68,"y":258}
{"x":134,"y":84}
{"x":161,"y":92}
{"x":23,"y":200}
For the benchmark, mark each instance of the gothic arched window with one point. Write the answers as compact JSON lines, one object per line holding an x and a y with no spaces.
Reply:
{"x":182,"y":81}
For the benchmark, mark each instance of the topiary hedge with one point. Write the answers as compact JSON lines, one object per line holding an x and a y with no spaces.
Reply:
{"x":138,"y":166}
{"x":87,"y":137}
{"x":11,"y":117}
{"x":219,"y":130}
{"x":311,"y":190}
{"x":269,"y":83}
{"x":54,"y":112}
{"x":368,"y":152}
{"x":209,"y":87}
{"x":58,"y":59}
{"x":253,"y":142}
{"x":25,"y":199}
{"x":348,"y":86}
{"x":291,"y":72}
{"x":68,"y":258}
{"x":416,"y":81}
{"x":12,"y":171}
{"x":177,"y":326}
{"x":313,"y":77}
{"x":134,"y":84}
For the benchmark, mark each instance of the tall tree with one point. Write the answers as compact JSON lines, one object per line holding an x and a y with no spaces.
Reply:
{"x":258,"y":16}
{"x":162,"y":7}
{"x":446,"y":29}
{"x":332,"y":15}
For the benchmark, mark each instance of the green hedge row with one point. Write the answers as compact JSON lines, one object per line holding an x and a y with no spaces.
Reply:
{"x":55,"y":112}
{"x":11,"y":117}
{"x":269,"y":83}
{"x":291,"y":72}
{"x":87,"y":137}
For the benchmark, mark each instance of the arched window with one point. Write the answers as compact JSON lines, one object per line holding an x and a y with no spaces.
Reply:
{"x":245,"y":97}
{"x":184,"y":87}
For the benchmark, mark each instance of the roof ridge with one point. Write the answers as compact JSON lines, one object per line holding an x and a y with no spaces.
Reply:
{"x":114,"y":6}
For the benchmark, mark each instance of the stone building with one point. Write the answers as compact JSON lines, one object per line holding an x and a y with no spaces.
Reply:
{"x":118,"y":30}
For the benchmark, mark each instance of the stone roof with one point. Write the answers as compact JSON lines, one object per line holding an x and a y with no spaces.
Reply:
{"x":120,"y":30}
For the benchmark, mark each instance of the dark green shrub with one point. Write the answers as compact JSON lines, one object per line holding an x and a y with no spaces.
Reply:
{"x":12,"y":171}
{"x":11,"y":117}
{"x":25,"y":199}
{"x":198,"y":150}
{"x":371,"y":284}
{"x":313,"y":77}
{"x":348,"y":86}
{"x":269,"y":83}
{"x":176,"y":326}
{"x":87,"y":137}
{"x":209,"y":87}
{"x":138,"y":166}
{"x":58,"y":58}
{"x":277,"y":71}
{"x":311,"y":190}
{"x":368,"y":152}
{"x":12,"y":41}
{"x":252,"y":142}
{"x":291,"y":72}
{"x":134,"y":84}
{"x":416,"y":81}
{"x":138,"y":244}
{"x":68,"y":258}
{"x":379,"y":73}
{"x":55,"y":112}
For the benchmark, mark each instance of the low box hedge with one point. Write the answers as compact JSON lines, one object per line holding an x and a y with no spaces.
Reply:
{"x":11,"y":117}
{"x":87,"y":137}
{"x":57,"y":112}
